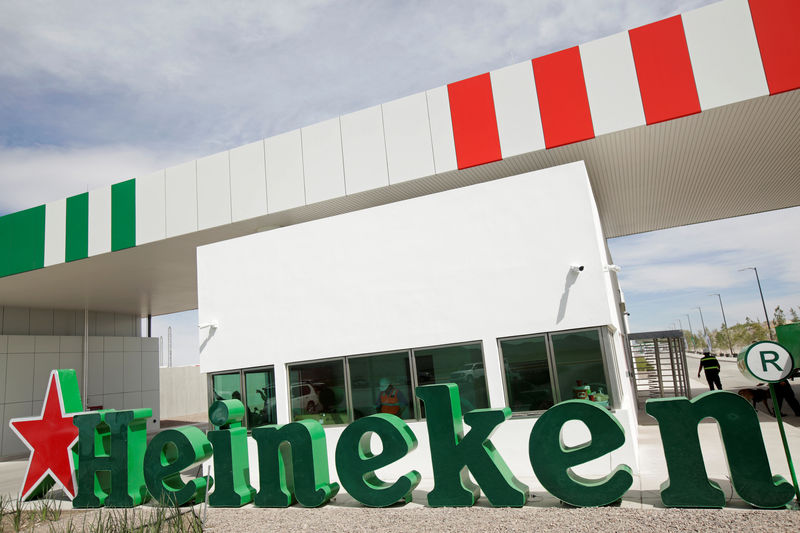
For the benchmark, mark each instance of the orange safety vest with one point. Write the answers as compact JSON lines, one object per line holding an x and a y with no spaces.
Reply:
{"x":389,"y":402}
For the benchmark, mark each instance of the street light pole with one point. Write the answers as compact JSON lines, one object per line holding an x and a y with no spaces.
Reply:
{"x":691,"y":333}
{"x":764,"y":305}
{"x":685,"y":345}
{"x":724,"y":322}
{"x":705,"y":333}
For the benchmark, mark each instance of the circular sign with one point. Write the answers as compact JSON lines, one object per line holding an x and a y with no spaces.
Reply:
{"x":766,"y":361}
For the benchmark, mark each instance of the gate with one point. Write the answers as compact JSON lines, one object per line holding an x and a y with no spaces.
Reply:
{"x":657,"y":363}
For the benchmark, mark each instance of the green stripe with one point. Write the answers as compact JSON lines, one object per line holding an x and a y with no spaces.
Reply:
{"x":70,"y":391}
{"x":77,"y":227}
{"x":123,"y":215}
{"x":22,"y":241}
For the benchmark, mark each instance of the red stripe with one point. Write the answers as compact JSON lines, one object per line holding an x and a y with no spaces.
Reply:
{"x":664,"y":69}
{"x":474,"y":121}
{"x":777,"y":24}
{"x":563,"y":103}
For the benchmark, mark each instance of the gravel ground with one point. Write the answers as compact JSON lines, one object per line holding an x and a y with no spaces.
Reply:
{"x":606,"y":519}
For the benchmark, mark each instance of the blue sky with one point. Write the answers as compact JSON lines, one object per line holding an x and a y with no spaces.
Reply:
{"x":94,"y":93}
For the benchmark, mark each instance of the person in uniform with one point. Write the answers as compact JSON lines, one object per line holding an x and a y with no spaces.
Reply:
{"x":710,"y":364}
{"x":391,"y":399}
{"x":783,"y":391}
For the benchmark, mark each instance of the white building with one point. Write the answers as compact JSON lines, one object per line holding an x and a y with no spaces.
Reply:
{"x":419,"y":229}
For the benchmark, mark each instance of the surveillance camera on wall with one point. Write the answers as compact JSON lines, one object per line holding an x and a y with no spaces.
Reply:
{"x":576,"y":268}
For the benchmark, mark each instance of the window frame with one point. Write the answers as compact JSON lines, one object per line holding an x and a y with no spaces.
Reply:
{"x":411,"y":370}
{"x":417,"y":404}
{"x":346,"y":376}
{"x":241,"y":372}
{"x":550,"y":370}
{"x":606,"y":348}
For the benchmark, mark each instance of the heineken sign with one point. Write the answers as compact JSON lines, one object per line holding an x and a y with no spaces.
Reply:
{"x":103,"y":459}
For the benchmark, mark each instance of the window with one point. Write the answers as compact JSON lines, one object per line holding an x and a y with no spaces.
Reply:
{"x":259,"y":387}
{"x":460,"y":364}
{"x":579,"y":364}
{"x":544,"y":369}
{"x":317,"y":390}
{"x":527,"y":373}
{"x":226,"y":387}
{"x":381,"y":384}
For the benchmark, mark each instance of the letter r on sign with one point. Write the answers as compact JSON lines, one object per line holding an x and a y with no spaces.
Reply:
{"x":771,"y":361}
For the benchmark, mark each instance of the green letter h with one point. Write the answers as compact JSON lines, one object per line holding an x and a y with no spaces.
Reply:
{"x":119,"y":450}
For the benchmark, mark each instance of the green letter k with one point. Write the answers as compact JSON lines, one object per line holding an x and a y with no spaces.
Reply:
{"x":454,"y":454}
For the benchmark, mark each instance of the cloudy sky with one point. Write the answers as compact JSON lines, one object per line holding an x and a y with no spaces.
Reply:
{"x":97,"y":92}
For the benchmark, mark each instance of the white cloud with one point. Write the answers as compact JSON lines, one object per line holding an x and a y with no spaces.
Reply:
{"x":35,"y":175}
{"x":707,"y":256}
{"x":666,"y":274}
{"x":215,"y":75}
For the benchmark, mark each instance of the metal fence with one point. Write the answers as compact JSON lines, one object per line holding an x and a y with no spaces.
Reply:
{"x":657,"y":365}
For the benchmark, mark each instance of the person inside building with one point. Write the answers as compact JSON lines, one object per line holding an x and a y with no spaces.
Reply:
{"x":391,"y":399}
{"x":710,"y":364}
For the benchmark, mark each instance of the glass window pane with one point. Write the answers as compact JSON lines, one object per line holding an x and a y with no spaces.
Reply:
{"x":579,"y":364}
{"x":381,"y":384}
{"x":317,"y":391}
{"x":226,"y":387}
{"x":527,"y":373}
{"x":259,"y":388}
{"x":462,"y":365}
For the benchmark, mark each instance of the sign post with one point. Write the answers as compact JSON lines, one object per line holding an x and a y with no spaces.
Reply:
{"x":770,"y":362}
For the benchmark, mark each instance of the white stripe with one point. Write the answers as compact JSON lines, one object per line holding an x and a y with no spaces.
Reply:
{"x":444,"y":144}
{"x":100,"y":221}
{"x":55,"y":232}
{"x":181,"y":199}
{"x":409,"y":149}
{"x":724,"y":51}
{"x":364,"y":150}
{"x":322,"y":161}
{"x":213,"y":191}
{"x":516,"y":105}
{"x":611,"y":84}
{"x":151,"y":222}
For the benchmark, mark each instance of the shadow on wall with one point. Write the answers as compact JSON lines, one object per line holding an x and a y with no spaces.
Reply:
{"x":572,"y":275}
{"x":212,"y":330}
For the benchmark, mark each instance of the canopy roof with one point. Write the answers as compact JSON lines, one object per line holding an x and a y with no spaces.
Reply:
{"x":685,"y":120}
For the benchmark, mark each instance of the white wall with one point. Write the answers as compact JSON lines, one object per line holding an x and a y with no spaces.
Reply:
{"x":473,"y":264}
{"x":183,"y":391}
{"x":481,"y":262}
{"x":123,"y":374}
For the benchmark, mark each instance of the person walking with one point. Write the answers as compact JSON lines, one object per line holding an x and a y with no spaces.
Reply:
{"x":710,"y":364}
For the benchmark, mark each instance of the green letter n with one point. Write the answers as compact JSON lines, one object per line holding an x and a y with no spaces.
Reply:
{"x":293,"y":463}
{"x":688,"y":484}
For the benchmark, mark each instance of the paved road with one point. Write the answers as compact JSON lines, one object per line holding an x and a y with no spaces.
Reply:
{"x":733,"y":380}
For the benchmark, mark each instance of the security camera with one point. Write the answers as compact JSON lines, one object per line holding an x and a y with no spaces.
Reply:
{"x":576,"y":268}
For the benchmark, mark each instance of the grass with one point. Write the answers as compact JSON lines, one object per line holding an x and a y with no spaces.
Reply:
{"x":641,"y":364}
{"x":46,"y":515}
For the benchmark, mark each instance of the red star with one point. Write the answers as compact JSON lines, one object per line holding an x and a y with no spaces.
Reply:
{"x":50,"y":438}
